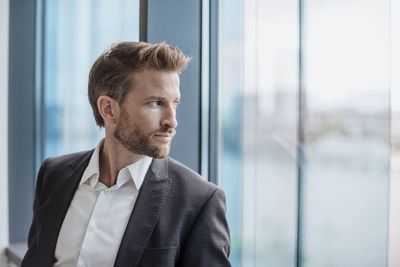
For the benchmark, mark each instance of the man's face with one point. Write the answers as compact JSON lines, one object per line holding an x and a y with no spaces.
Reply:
{"x":147,"y":120}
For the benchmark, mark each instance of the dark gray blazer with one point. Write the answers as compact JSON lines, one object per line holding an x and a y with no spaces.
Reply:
{"x":178,"y":218}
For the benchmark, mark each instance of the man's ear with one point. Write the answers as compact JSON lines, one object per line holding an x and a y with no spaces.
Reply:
{"x":109,"y":109}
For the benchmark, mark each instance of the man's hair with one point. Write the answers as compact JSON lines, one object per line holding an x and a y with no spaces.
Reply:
{"x":112,"y":72}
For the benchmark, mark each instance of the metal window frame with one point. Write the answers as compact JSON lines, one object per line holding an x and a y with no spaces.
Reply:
{"x":195,"y":32}
{"x":21,"y":115}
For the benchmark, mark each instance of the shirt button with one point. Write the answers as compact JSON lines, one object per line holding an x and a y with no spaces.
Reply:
{"x":92,"y":226}
{"x":107,"y":193}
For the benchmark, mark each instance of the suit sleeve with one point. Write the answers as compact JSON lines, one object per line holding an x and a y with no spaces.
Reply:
{"x":33,"y":231}
{"x":208,"y":244}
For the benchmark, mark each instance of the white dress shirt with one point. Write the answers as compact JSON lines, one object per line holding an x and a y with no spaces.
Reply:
{"x":97,"y":217}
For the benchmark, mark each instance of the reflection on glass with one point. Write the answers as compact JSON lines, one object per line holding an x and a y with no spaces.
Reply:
{"x":231,"y":82}
{"x":259,"y":112}
{"x":270,"y":133}
{"x":76,"y":32}
{"x":346,"y":174}
{"x":394,"y":205}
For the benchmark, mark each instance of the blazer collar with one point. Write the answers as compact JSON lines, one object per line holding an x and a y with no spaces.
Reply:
{"x":152,"y":196}
{"x":67,"y":182}
{"x":144,"y":217}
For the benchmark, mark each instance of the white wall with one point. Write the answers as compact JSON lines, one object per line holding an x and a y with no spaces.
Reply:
{"x":4,"y":19}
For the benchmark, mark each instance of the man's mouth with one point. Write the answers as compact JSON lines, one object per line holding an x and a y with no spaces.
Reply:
{"x":165,"y":137}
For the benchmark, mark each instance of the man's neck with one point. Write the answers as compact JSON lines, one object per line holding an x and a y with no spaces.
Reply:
{"x":112,"y":158}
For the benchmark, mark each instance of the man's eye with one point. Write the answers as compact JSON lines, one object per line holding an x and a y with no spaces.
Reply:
{"x":156,"y":103}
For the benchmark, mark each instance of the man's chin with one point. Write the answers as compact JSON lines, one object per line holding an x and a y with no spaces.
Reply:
{"x":160,"y":152}
{"x":159,"y":155}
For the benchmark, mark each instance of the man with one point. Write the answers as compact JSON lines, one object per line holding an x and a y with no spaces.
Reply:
{"x":126,"y":203}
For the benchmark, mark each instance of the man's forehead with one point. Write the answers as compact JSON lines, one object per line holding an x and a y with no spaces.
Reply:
{"x":156,"y":83}
{"x":155,"y":76}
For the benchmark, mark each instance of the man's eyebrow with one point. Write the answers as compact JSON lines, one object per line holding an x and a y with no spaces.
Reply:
{"x":152,"y":97}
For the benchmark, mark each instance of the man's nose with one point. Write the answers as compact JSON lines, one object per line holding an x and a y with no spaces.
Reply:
{"x":169,"y":117}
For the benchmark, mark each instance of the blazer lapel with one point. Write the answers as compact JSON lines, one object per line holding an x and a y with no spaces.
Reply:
{"x":145,"y":214}
{"x":61,"y":198}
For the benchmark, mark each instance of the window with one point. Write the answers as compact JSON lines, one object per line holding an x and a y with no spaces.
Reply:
{"x":394,"y":218}
{"x":347,"y":144}
{"x":52,"y":46}
{"x":305,"y":131}
{"x":75,"y":34}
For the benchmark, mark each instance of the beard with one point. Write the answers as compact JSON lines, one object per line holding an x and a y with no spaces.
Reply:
{"x":132,"y":138}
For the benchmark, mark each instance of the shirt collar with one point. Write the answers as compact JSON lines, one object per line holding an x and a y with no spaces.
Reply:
{"x":135,"y":171}
{"x":91,"y":174}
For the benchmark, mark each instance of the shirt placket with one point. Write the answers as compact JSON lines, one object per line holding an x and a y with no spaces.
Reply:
{"x":88,"y":252}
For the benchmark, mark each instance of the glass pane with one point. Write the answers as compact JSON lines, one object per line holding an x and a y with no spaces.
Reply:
{"x":346,"y":176}
{"x":76,"y":32}
{"x":394,"y":205}
{"x":231,"y":86}
{"x":259,"y":117}
{"x":270,"y":133}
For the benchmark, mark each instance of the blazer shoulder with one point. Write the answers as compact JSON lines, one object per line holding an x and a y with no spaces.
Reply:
{"x":54,"y":167}
{"x":189,"y":180}
{"x":67,"y":160}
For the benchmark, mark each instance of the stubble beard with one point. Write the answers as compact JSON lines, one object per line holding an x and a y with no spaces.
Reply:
{"x":136,"y":141}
